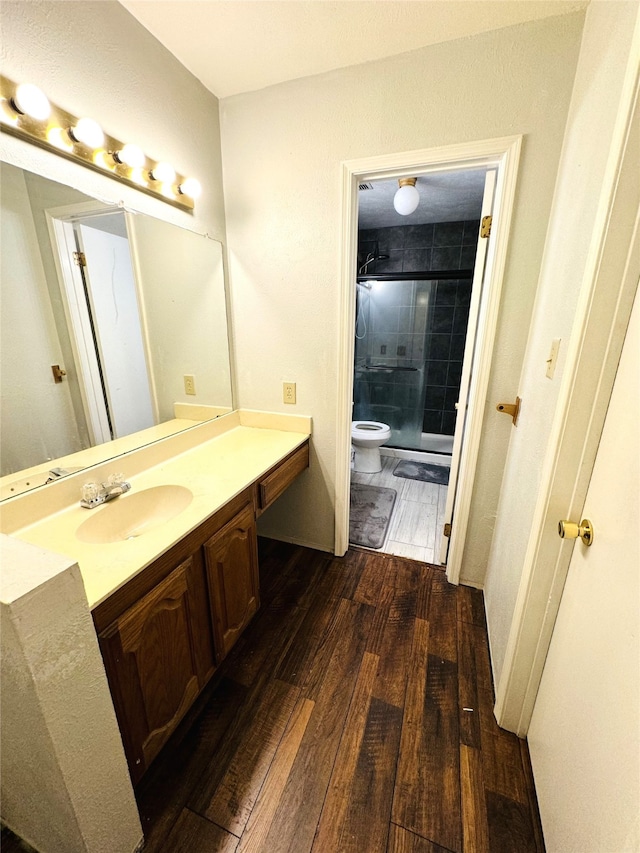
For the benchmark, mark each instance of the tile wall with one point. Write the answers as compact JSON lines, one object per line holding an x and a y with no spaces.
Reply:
{"x":419,"y":324}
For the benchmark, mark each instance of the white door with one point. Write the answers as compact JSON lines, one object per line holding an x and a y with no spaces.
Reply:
{"x":117,"y":329}
{"x":584,"y":736}
{"x":467,"y":368}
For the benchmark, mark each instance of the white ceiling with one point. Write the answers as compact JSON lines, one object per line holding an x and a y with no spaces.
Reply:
{"x":236,"y":46}
{"x":444,"y":197}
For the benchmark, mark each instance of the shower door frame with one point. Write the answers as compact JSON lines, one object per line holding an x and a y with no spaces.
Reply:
{"x":502,"y":155}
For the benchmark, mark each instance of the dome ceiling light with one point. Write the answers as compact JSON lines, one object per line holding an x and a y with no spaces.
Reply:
{"x":407,"y":197}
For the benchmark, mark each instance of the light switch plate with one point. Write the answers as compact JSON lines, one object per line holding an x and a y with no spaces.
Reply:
{"x":553,"y":357}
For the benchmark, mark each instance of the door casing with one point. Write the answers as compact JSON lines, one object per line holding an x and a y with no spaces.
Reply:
{"x":503,"y":155}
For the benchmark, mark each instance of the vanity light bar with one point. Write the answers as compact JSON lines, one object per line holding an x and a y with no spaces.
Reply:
{"x":26,"y":112}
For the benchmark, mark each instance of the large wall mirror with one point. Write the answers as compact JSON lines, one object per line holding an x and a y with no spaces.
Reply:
{"x":113,"y":330}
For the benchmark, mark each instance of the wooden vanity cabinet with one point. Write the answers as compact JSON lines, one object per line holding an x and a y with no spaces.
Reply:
{"x":164,"y":632}
{"x":157,"y":662}
{"x":231,"y":557}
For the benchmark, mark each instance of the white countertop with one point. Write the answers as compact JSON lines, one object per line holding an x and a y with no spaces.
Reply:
{"x":214,"y":471}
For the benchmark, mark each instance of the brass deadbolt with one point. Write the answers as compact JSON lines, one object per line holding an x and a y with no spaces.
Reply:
{"x":571,"y":530}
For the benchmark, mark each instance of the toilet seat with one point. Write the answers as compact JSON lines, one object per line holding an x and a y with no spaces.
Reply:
{"x":370,"y":431}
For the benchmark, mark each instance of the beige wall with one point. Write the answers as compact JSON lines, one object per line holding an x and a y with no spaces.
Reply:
{"x":604,"y":53}
{"x":94,"y":58}
{"x":282,"y":150}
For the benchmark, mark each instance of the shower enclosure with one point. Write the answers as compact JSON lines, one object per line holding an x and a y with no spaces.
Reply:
{"x":410,"y":336}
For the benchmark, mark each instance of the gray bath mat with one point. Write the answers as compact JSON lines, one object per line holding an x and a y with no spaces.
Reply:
{"x":422,"y":471}
{"x":370,"y":514}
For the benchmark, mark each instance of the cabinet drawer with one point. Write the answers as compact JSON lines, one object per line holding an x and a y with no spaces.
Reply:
{"x":273,"y":484}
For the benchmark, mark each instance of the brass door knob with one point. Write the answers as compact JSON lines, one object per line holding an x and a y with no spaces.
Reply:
{"x":571,"y":530}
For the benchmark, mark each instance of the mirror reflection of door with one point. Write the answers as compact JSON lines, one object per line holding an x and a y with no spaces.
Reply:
{"x":106,"y":325}
{"x":112,"y":300}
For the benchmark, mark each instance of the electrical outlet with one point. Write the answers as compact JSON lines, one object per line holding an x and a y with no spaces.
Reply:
{"x":289,"y":392}
{"x":190,"y":384}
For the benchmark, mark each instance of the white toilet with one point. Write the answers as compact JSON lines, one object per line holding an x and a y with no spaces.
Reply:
{"x":367,"y":437}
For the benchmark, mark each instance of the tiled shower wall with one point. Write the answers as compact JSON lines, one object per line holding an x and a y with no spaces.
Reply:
{"x":417,"y":323}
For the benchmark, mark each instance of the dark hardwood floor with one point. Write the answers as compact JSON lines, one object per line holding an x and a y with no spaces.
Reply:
{"x":354,"y":714}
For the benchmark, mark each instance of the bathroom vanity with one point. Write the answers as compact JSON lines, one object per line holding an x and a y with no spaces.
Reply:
{"x":170,"y":585}
{"x":163,"y":633}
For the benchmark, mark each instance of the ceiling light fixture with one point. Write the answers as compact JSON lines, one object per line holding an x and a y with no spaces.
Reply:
{"x":407,"y":197}
{"x":25,"y":112}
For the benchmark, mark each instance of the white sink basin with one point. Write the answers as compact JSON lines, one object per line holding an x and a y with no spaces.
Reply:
{"x":134,"y":514}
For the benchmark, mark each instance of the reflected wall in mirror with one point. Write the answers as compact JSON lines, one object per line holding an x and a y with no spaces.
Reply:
{"x":126,"y":305}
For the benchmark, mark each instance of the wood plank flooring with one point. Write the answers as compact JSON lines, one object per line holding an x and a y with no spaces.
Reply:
{"x":355,"y":714}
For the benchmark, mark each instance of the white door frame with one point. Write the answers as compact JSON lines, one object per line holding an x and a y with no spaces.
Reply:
{"x":604,"y":306}
{"x":502,"y":154}
{"x":60,"y":224}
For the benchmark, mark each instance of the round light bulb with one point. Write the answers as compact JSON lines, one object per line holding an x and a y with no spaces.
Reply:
{"x":88,"y":132}
{"x":163,"y":172}
{"x":132,"y":156}
{"x":8,"y":113}
{"x":406,"y":200}
{"x":57,"y":136}
{"x":190,"y":187}
{"x":31,"y":101}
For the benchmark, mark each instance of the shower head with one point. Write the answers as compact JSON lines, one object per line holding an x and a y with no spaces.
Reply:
{"x":371,"y":258}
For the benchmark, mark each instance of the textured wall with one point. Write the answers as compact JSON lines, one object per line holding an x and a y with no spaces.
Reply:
{"x":94,"y":58}
{"x":282,"y":154}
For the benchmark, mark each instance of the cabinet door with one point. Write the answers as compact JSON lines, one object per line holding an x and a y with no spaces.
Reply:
{"x":231,"y":557}
{"x":150,"y":655}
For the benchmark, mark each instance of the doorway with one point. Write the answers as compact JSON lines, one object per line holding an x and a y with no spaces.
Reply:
{"x":413,"y":298}
{"x":478,"y":157}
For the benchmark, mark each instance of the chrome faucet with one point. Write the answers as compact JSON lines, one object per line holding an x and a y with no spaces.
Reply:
{"x":56,"y":474}
{"x":95,"y":494}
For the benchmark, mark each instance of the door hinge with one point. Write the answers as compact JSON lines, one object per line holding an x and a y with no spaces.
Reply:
{"x":485,"y":227}
{"x":447,"y":530}
{"x":79,"y":259}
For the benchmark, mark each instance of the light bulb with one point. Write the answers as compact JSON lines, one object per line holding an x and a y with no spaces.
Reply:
{"x":407,"y":198}
{"x":8,"y":113}
{"x":163,"y":172}
{"x":88,"y":132}
{"x":131,"y":155}
{"x":57,"y":137}
{"x":190,"y":187}
{"x":31,"y":101}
